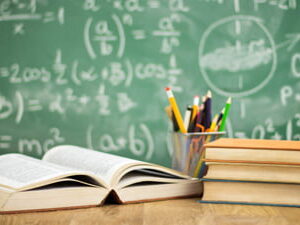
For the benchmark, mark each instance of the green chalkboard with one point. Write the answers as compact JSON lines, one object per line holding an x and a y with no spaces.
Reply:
{"x":92,"y":72}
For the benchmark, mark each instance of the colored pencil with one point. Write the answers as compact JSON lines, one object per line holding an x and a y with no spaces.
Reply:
{"x":226,"y":111}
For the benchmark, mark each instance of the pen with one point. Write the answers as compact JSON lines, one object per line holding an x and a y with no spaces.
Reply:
{"x":207,"y":109}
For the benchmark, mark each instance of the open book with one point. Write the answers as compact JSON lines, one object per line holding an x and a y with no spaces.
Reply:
{"x":70,"y":176}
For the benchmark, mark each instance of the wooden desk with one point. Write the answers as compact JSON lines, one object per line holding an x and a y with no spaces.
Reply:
{"x":185,"y":211}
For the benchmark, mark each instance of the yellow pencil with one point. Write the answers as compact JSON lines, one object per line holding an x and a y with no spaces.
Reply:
{"x":175,"y":109}
{"x":213,"y":123}
{"x":211,"y":129}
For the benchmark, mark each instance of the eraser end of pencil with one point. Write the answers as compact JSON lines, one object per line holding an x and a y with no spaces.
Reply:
{"x":167,"y":88}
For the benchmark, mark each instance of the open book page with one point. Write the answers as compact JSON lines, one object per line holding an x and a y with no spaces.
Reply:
{"x":19,"y":171}
{"x":138,"y":176}
{"x":102,"y":164}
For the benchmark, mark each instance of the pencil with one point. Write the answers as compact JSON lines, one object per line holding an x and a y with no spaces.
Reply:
{"x":212,"y":127}
{"x":198,"y":125}
{"x":225,"y":115}
{"x":171,"y":116}
{"x":214,"y":123}
{"x":220,"y":117}
{"x":175,"y":109}
{"x":195,"y":107}
{"x":187,"y":117}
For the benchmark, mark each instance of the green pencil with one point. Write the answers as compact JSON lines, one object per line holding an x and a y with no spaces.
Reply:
{"x":225,"y":115}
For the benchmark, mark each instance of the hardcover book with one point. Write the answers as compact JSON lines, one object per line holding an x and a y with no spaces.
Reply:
{"x":251,"y":192}
{"x":253,"y":172}
{"x":253,"y":151}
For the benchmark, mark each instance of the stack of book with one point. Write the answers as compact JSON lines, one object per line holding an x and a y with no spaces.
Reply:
{"x":256,"y":172}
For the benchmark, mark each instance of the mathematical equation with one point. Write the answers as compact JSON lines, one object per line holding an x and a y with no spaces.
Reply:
{"x":115,"y":73}
{"x":256,"y":5}
{"x":267,"y":130}
{"x":21,"y":12}
{"x":60,"y":103}
{"x":139,"y":142}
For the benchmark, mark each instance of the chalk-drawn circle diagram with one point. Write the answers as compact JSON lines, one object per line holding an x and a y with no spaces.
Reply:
{"x":237,"y":56}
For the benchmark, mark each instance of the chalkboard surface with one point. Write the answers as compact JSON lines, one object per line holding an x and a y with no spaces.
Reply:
{"x":92,"y":72}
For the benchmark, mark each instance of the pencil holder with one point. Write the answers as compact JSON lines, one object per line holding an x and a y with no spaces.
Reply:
{"x":187,"y":151}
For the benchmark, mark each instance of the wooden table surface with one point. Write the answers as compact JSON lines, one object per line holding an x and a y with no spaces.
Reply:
{"x":171,"y":212}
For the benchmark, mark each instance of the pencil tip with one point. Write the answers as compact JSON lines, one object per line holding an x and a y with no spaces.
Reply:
{"x":229,"y":100}
{"x":215,"y":118}
{"x":209,"y":94}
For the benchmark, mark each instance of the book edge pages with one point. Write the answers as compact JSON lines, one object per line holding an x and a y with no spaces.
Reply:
{"x":254,"y":144}
{"x":193,"y":189}
{"x":103,"y":198}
